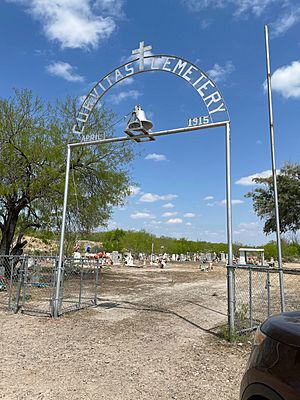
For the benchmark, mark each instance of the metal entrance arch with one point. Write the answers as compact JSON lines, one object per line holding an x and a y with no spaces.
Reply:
{"x":198,"y":79}
{"x":216,"y":109}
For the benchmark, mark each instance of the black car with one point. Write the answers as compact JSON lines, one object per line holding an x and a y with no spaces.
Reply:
{"x":273,"y":369}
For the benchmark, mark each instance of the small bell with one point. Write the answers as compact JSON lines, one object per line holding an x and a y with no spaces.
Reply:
{"x":138,"y":120}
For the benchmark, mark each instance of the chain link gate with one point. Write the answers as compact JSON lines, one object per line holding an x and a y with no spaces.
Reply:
{"x":29,"y":284}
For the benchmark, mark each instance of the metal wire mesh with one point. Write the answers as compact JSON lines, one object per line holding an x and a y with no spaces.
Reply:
{"x":80,"y":282}
{"x":8,"y":282}
{"x":29,"y":284}
{"x":38,"y":285}
{"x":257,"y":294}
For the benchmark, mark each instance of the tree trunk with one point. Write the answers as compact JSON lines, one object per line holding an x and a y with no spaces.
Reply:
{"x":8,"y":230}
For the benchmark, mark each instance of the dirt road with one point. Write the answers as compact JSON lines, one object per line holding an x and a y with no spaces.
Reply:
{"x":151,"y":337}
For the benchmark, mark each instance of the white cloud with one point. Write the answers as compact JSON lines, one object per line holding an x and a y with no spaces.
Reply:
{"x":151,"y":198}
{"x":126,"y":82}
{"x":65,"y":71}
{"x":212,"y":204}
{"x":155,"y":222}
{"x":112,"y":225}
{"x":130,"y":94}
{"x":73,"y":23}
{"x":174,"y":221}
{"x":286,"y":21}
{"x":168,"y":205}
{"x":288,"y":10}
{"x":207,"y":198}
{"x":251,"y":228}
{"x":233,"y":201}
{"x":188,"y":224}
{"x":242,"y":7}
{"x":110,"y":7}
{"x":248,"y":180}
{"x":237,"y":201}
{"x":134,"y":190}
{"x":155,"y":157}
{"x":248,"y":225}
{"x":189,"y":215}
{"x":222,"y":202}
{"x":286,"y":80}
{"x":167,"y":197}
{"x":142,"y":215}
{"x":169,"y":214}
{"x":205,"y":23}
{"x":220,"y":73}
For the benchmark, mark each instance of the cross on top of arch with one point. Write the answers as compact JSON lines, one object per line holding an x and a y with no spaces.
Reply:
{"x":141,"y":52}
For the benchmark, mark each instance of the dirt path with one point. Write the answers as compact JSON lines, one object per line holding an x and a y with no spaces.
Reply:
{"x":151,"y":337}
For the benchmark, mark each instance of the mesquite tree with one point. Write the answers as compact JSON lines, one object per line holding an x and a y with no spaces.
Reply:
{"x":288,"y":184}
{"x":33,"y":139}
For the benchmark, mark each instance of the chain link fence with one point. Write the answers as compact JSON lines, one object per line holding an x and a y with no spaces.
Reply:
{"x":257,"y":294}
{"x":29,"y":284}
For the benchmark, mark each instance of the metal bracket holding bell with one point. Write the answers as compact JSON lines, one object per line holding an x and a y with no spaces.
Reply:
{"x":138,"y":122}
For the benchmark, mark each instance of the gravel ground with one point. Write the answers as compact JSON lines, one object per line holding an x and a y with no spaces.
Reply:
{"x":152,"y":336}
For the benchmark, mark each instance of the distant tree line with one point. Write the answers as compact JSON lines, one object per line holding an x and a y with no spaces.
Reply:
{"x":141,"y":242}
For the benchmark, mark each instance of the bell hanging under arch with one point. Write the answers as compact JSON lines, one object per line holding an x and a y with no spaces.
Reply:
{"x":138,"y":120}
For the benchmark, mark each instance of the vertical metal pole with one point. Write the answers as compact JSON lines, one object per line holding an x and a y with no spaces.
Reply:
{"x":96,"y":283}
{"x":54,"y":280}
{"x":10,"y":279}
{"x":80,"y":288}
{"x":282,"y":300}
{"x":152,"y":253}
{"x":62,"y":234}
{"x":250,"y":297}
{"x":230,"y":270}
{"x":25,"y":284}
{"x":268,"y":284}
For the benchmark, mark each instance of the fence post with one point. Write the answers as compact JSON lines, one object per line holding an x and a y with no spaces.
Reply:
{"x":25,"y":284}
{"x":19,"y":286}
{"x":268,"y":284}
{"x":54,"y":277}
{"x":62,"y":286}
{"x":231,"y":300}
{"x":11,"y":264}
{"x":96,"y":283}
{"x":80,"y":288}
{"x":250,"y":297}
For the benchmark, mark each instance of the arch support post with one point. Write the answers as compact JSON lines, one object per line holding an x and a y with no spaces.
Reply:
{"x":59,"y":271}
{"x":230,"y":270}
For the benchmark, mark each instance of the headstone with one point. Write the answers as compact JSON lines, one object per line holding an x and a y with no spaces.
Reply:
{"x":242,"y":258}
{"x":115,"y":256}
{"x":77,"y":257}
{"x":208,"y":257}
{"x":128,"y":259}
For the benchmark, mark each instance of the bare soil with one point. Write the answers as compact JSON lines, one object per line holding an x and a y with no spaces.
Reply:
{"x":152,"y":336}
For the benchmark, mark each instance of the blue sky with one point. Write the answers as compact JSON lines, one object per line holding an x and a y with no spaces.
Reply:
{"x":65,"y":46}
